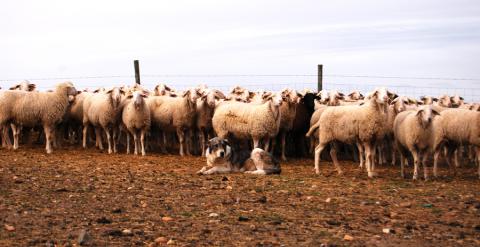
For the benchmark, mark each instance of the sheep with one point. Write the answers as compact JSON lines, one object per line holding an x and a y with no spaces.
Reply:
{"x":102,"y":110}
{"x":397,"y":106}
{"x":353,"y":123}
{"x":249,"y":121}
{"x":30,"y":108}
{"x":136,"y":118}
{"x":453,"y":128}
{"x":204,"y":112}
{"x":414,"y":134}
{"x":287,"y":116}
{"x":428,"y":100}
{"x":175,"y":114}
{"x":301,"y":122}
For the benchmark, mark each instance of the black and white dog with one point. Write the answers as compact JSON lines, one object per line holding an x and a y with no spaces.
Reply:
{"x":223,"y":158}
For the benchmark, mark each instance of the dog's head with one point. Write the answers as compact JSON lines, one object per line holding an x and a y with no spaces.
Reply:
{"x":218,"y":148}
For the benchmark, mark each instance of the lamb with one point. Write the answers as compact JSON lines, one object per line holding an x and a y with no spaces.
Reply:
{"x":350,"y":124}
{"x":175,"y":114}
{"x":249,"y":121}
{"x":136,"y":118}
{"x":414,"y":134}
{"x":30,"y":108}
{"x":205,"y":108}
{"x":454,"y":128}
{"x":102,"y":110}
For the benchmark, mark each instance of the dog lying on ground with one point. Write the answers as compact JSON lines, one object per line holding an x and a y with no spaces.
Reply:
{"x":223,"y":158}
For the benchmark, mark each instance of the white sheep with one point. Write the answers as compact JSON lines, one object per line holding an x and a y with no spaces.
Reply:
{"x":249,"y":121}
{"x":353,"y":124}
{"x":414,"y":133}
{"x":103,"y":111}
{"x":175,"y":114}
{"x":30,"y":108}
{"x":136,"y":118}
{"x":205,"y":108}
{"x":453,"y":128}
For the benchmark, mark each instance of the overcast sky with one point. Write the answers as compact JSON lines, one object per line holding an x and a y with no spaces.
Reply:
{"x":44,"y":39}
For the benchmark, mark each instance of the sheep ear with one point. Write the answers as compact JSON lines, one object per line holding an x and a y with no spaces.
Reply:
{"x":461,"y":98}
{"x":435,"y":99}
{"x":14,"y":87}
{"x":203,"y":97}
{"x":31,"y":87}
{"x":419,"y":112}
{"x":219,"y":95}
{"x":422,"y":98}
{"x":436,"y":113}
{"x":186,"y":93}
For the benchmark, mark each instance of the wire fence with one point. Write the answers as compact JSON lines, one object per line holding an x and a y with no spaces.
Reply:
{"x":468,"y":88}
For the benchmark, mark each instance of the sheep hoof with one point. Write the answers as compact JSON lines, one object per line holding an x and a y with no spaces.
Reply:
{"x":284,"y":158}
{"x":317,"y":172}
{"x":372,"y":174}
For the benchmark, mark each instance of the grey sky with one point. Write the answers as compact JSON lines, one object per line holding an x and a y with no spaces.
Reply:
{"x":43,"y":39}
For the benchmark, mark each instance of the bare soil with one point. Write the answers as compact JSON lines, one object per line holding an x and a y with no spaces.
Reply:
{"x":125,"y":200}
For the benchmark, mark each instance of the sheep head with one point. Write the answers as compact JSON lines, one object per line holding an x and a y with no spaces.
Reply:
{"x":162,"y":89}
{"x":24,"y":86}
{"x":445,"y":101}
{"x":192,"y":95}
{"x":428,"y":100}
{"x":456,"y":101}
{"x":138,"y":98}
{"x":355,"y":95}
{"x":399,"y":104}
{"x":212,"y":96}
{"x":425,"y":115}
{"x":115,"y":96}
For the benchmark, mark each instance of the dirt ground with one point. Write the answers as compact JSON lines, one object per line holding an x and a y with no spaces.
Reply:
{"x":98,"y":199}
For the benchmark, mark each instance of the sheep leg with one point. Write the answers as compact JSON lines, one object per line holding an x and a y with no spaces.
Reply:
{"x":416,"y":162}
{"x":369,"y":159}
{"x":203,"y":142}
{"x":283,"y":137}
{"x":135,"y":141}
{"x":142,"y":141}
{"x":318,"y":150}
{"x":450,"y":154}
{"x":48,"y":139}
{"x":84,"y":137}
{"x":361,"y":155}
{"x":394,"y":155}
{"x":16,"y":134}
{"x":477,"y":151}
{"x":402,"y":165}
{"x":424,"y":164}
{"x":114,"y":139}
{"x":256,"y":142}
{"x":128,"y":142}
{"x":109,"y":139}
{"x":333,"y":155}
{"x":455,"y":156}
{"x":267,"y":144}
{"x":164,"y":146}
{"x":188,"y":141}
{"x":436,"y":155}
{"x":98,"y":138}
{"x":181,"y":139}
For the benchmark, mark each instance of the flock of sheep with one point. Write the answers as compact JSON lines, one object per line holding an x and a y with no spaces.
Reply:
{"x":378,"y":128}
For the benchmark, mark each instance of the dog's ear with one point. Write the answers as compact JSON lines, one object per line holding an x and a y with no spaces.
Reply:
{"x":207,"y":152}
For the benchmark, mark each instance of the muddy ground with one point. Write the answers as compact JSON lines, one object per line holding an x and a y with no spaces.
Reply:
{"x":125,"y":200}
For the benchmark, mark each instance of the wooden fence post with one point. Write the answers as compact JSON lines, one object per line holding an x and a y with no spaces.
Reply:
{"x":320,"y":78}
{"x":137,"y":71}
